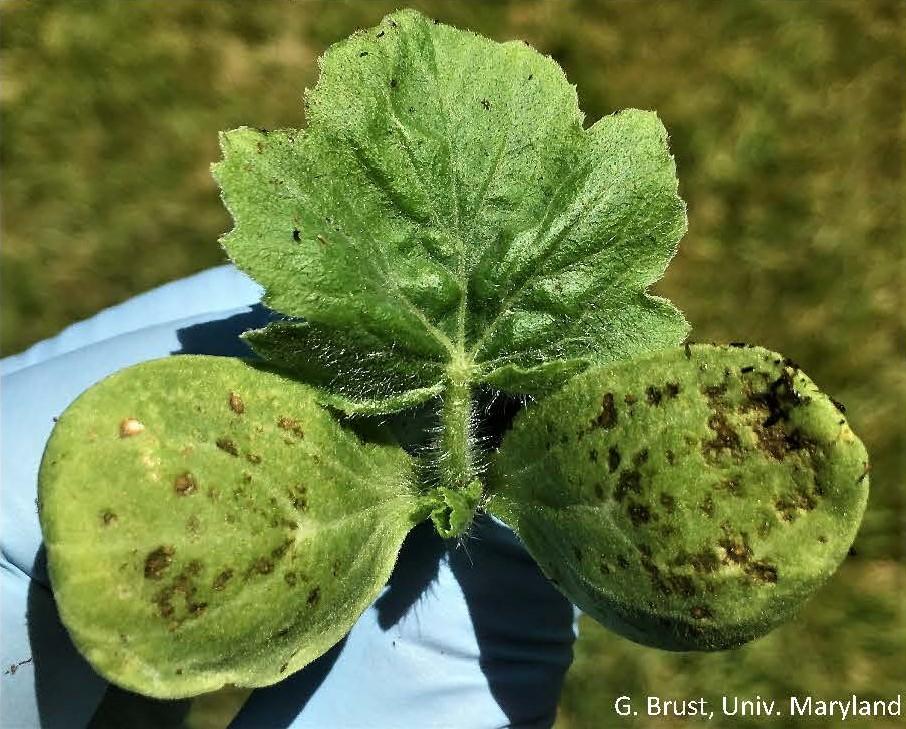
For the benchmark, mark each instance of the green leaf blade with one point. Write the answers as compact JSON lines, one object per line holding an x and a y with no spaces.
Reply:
{"x":355,"y":375}
{"x":207,"y":523}
{"x":689,"y":500}
{"x":446,"y":201}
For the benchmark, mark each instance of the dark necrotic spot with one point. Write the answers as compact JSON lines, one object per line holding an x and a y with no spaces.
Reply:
{"x":738,"y":345}
{"x":629,"y":481}
{"x":314,"y":595}
{"x":158,"y":561}
{"x":707,"y":506}
{"x":672,"y":389}
{"x":639,"y":458}
{"x":263,"y":566}
{"x":748,"y":368}
{"x":291,"y":425}
{"x":393,"y":83}
{"x":839,"y":405}
{"x":253,"y":458}
{"x":763,"y":572}
{"x":682,"y":585}
{"x":236,"y":404}
{"x":220,"y":582}
{"x":108,"y":517}
{"x":638,"y":513}
{"x":599,"y":491}
{"x":486,"y":104}
{"x":227,"y":445}
{"x":725,"y":438}
{"x":630,"y":399}
{"x":593,"y":455}
{"x":185,"y":484}
{"x":668,"y":502}
{"x":613,"y":459}
{"x":577,"y":553}
{"x":363,"y":54}
{"x":290,"y":578}
{"x":608,"y":415}
{"x":670,"y":456}
{"x":653,"y":395}
{"x":622,"y":561}
{"x":297,"y":235}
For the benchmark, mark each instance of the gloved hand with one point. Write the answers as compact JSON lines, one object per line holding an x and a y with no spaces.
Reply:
{"x":468,"y":636}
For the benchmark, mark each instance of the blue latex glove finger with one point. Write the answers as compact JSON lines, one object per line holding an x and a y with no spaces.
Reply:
{"x":449,"y":643}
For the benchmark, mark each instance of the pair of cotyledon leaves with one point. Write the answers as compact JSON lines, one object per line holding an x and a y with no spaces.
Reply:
{"x":443,"y":221}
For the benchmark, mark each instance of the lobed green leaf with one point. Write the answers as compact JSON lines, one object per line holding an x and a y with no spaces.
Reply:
{"x":445,"y":204}
{"x":208,"y":523}
{"x":690,"y":499}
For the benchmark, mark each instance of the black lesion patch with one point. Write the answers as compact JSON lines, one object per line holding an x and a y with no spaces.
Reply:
{"x":290,"y":578}
{"x":622,"y":561}
{"x":593,"y":455}
{"x":672,"y":389}
{"x":670,"y":456}
{"x":227,"y":445}
{"x":653,"y":395}
{"x":108,"y":517}
{"x":640,"y":457}
{"x":158,"y":562}
{"x":613,"y":459}
{"x":253,"y":458}
{"x":600,"y":492}
{"x":668,"y":502}
{"x":314,"y":596}
{"x":638,"y":513}
{"x":629,"y":481}
{"x":608,"y":415}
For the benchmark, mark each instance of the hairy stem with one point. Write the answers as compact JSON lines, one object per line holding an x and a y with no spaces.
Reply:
{"x":456,"y":458}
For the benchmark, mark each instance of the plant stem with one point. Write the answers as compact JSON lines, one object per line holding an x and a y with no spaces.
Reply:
{"x":456,"y":457}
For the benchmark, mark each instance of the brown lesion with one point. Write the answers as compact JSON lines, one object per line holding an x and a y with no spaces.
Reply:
{"x":291,"y":425}
{"x":227,"y":445}
{"x":236,"y":404}
{"x":607,"y":418}
{"x":184,"y":585}
{"x":158,"y":562}
{"x":185,"y":484}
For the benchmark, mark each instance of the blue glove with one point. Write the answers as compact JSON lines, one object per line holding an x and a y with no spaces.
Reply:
{"x":470,"y":636}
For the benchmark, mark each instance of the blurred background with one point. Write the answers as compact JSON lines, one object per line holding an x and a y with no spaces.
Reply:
{"x":787,"y":122}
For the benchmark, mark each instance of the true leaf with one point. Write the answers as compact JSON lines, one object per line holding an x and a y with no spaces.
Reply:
{"x":689,"y":499}
{"x":446,"y":205}
{"x":207,"y":523}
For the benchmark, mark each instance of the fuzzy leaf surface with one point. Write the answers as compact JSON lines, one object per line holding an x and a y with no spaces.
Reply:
{"x":446,"y":203}
{"x":208,"y":523}
{"x":689,"y":499}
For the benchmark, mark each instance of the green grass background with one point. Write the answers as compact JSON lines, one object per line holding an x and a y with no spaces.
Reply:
{"x":787,"y":122}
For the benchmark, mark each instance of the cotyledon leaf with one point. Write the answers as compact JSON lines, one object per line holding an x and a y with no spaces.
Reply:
{"x":446,"y":205}
{"x":690,"y":499}
{"x":208,"y":523}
